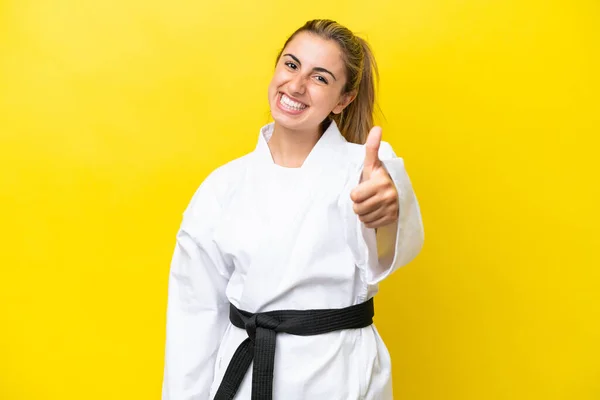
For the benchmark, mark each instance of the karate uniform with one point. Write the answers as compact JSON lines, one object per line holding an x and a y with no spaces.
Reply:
{"x":264,"y":237}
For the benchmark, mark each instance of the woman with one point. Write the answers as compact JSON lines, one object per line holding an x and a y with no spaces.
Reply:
{"x":310,"y":220}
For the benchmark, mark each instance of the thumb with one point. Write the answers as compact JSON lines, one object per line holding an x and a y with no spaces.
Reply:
{"x":372,"y":152}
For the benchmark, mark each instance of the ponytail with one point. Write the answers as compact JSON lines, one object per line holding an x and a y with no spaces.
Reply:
{"x":356,"y":120}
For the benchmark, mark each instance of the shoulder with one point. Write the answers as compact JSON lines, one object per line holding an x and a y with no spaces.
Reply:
{"x":213,"y":192}
{"x":221,"y":177}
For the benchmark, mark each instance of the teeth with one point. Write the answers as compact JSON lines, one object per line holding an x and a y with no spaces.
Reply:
{"x":289,"y":103}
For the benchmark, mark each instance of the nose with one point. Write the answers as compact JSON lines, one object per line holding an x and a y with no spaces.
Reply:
{"x":297,"y":85}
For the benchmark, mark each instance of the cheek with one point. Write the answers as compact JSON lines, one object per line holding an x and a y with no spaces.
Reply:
{"x":327,"y":99}
{"x":272,"y":87}
{"x":277,"y":80}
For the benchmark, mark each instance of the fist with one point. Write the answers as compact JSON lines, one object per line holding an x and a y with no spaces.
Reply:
{"x":375,"y":198}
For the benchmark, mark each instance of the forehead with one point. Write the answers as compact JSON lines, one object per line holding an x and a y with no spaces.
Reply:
{"x":313,"y":51}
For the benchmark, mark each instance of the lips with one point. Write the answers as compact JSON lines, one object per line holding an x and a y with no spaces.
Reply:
{"x":290,"y":105}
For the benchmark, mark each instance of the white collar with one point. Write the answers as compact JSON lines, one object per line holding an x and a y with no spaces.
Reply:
{"x":328,"y":149}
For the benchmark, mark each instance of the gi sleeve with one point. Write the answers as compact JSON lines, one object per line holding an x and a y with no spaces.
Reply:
{"x":379,"y":253}
{"x":197,"y":310}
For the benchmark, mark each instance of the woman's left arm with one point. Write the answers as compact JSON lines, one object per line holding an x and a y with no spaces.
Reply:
{"x":385,"y":203}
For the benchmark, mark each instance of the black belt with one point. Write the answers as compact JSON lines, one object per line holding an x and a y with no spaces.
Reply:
{"x":262,"y":329}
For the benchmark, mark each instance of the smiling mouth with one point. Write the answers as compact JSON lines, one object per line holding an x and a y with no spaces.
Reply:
{"x":291,"y":105}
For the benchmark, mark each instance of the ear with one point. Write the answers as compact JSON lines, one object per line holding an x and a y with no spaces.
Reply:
{"x":345,"y":100}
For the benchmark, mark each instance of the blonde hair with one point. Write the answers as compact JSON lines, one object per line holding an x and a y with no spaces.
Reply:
{"x":362,"y":75}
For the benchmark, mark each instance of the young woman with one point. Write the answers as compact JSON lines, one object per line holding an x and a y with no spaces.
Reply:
{"x":280,"y":252}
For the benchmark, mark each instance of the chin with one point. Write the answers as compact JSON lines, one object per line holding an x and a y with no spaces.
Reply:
{"x":293,"y":123}
{"x":285,"y":122}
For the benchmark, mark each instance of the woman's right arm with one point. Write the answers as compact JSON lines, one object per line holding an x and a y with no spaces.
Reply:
{"x":197,"y":311}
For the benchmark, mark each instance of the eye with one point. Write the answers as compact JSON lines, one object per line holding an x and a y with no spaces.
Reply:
{"x":322,"y":79}
{"x":291,"y":65}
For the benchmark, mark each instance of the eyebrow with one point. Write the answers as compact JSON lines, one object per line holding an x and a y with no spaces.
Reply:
{"x":318,"y":69}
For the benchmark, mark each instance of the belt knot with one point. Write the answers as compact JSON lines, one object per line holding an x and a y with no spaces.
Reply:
{"x":260,"y":321}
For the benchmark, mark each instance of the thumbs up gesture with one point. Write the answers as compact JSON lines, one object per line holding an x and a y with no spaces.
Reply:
{"x":375,"y":198}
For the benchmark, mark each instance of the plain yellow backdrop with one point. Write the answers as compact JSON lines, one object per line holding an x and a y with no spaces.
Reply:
{"x":113,"y":112}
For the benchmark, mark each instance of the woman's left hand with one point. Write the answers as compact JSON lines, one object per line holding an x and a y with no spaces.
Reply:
{"x":375,"y":198}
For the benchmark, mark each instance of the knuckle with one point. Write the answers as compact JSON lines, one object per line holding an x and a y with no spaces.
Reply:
{"x":392,"y":196}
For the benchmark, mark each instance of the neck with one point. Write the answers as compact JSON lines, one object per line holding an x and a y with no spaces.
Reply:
{"x":290,"y":148}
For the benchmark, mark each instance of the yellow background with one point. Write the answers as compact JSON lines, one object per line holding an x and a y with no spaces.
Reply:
{"x":112,"y":112}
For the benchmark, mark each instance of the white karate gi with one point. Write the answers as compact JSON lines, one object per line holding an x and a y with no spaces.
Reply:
{"x":266,"y":237}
